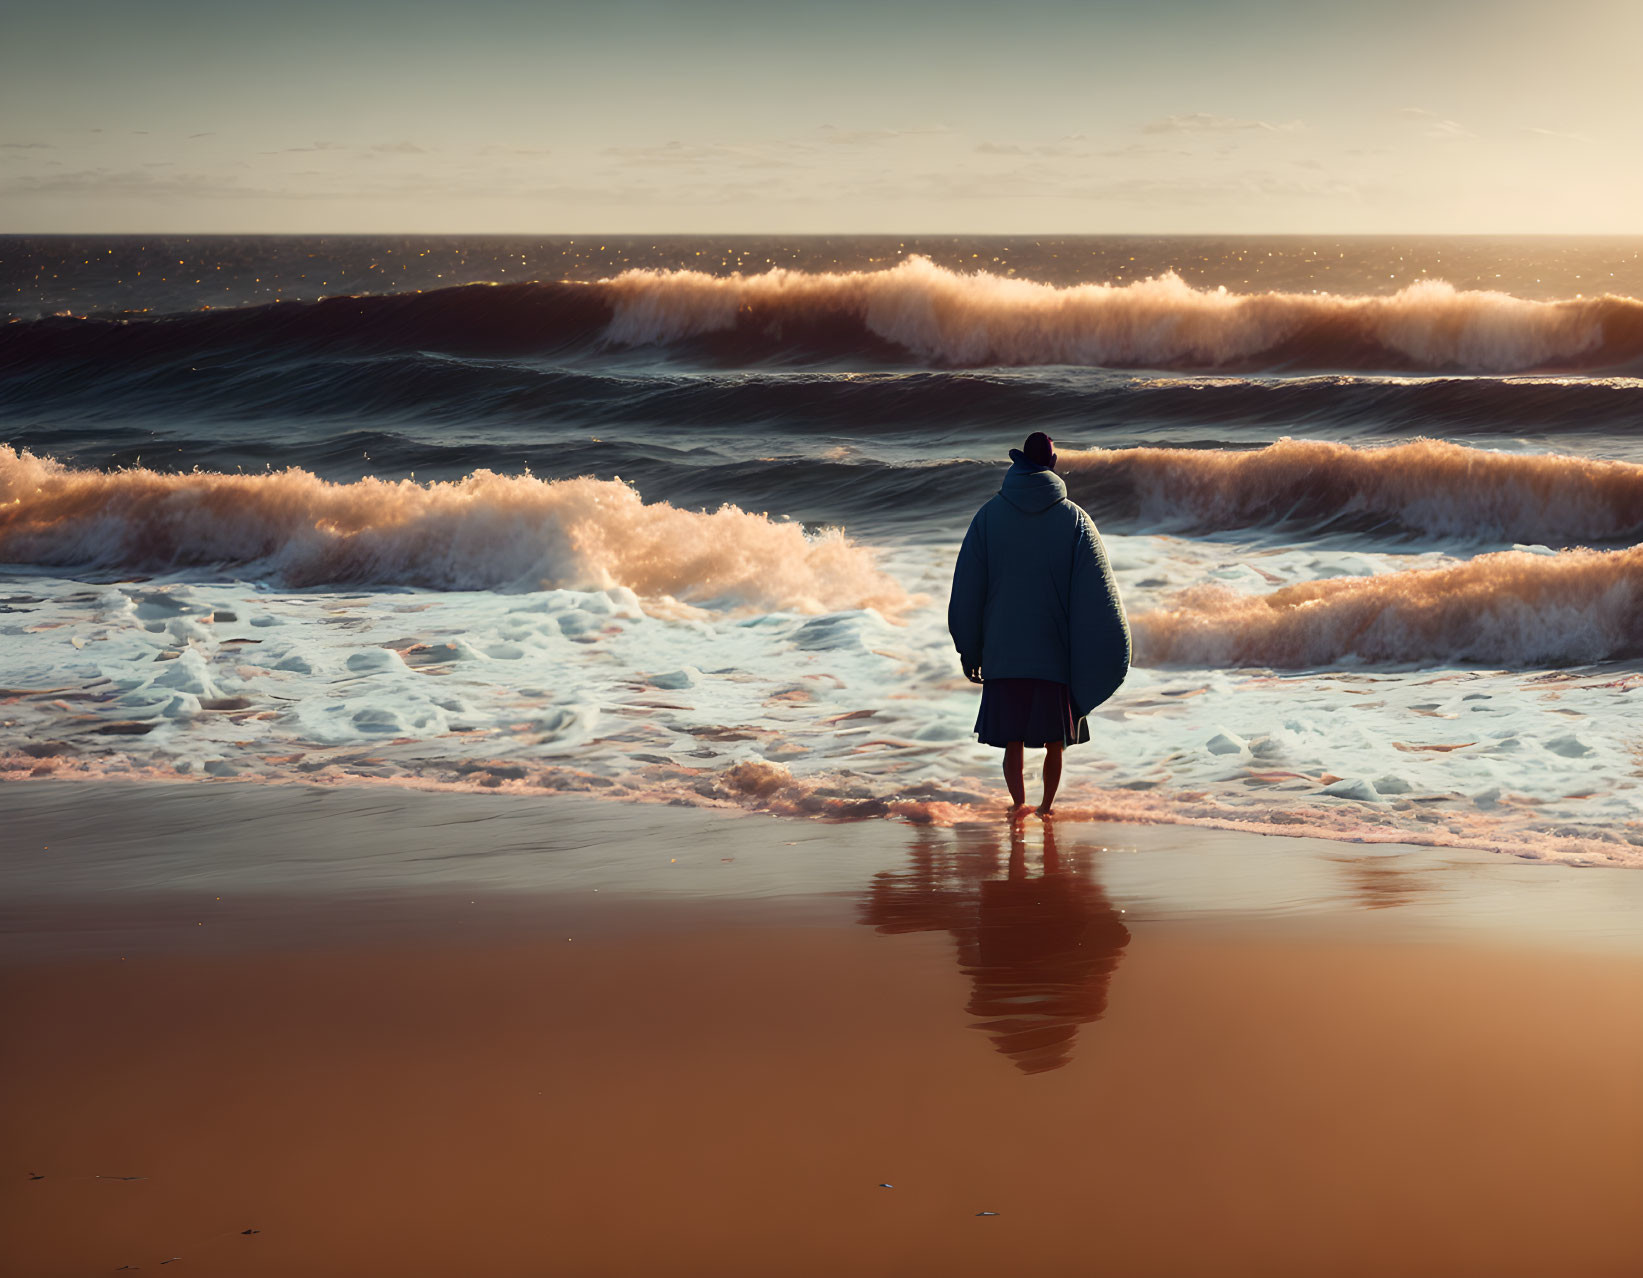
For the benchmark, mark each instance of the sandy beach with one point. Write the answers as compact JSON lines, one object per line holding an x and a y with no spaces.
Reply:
{"x":270,"y":1030}
{"x":698,"y":640}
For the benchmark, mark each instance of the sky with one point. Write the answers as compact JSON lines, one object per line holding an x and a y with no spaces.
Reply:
{"x":724,"y":116}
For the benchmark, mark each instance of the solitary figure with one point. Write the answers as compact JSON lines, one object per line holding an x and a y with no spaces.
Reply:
{"x":1036,"y":618}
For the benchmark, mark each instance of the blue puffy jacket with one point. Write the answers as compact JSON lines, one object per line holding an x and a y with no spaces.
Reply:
{"x":1033,"y":593}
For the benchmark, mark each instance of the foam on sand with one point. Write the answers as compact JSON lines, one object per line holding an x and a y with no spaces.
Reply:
{"x":837,"y":716}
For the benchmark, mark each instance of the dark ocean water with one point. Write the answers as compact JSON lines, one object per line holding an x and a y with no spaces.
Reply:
{"x":813,"y":390}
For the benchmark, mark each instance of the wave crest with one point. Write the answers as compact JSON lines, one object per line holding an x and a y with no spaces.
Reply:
{"x":914,"y":309}
{"x":1512,"y":609}
{"x":484,"y":531}
{"x":951,"y":318}
{"x":1426,"y":486}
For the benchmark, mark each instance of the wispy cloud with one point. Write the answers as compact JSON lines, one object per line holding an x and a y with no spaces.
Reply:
{"x":1557,"y":135}
{"x":24,"y":146}
{"x":834,"y":136}
{"x":1076,"y":147}
{"x":158,"y":183}
{"x":137,"y":182}
{"x":676,"y":154}
{"x":368,"y":149}
{"x":1432,"y":125}
{"x":1037,"y":181}
{"x":1200,"y":122}
{"x":303,"y":150}
{"x":795,"y":152}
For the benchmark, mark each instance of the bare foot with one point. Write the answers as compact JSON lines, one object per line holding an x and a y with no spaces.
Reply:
{"x":1018,"y":811}
{"x":1046,"y":810}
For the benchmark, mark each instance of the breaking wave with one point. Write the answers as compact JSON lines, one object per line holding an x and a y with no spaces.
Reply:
{"x":915,"y":309}
{"x":1513,"y":610}
{"x":1425,"y":487}
{"x":485,"y":531}
{"x":950,"y":318}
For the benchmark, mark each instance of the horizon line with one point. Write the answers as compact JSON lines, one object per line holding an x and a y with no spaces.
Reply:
{"x":813,"y":235}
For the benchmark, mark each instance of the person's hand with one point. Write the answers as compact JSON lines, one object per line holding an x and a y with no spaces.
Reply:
{"x":971,"y":667}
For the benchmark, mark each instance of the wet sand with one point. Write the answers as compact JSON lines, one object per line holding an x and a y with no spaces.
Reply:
{"x":423,"y":1034}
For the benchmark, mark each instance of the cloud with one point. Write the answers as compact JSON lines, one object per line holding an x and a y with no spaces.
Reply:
{"x":636,"y":191}
{"x":764,"y":154}
{"x":1557,"y":135}
{"x":1432,"y":125}
{"x":1052,"y":182}
{"x":1449,"y":129}
{"x":1139,"y":151}
{"x":376,"y":148}
{"x":24,"y":146}
{"x":302,"y":150}
{"x":834,"y":136}
{"x":148,"y":184}
{"x":192,"y":136}
{"x":687,"y":155}
{"x":674,"y":152}
{"x":857,"y":137}
{"x":1075,"y":147}
{"x":138,"y":182}
{"x":1199,"y":122}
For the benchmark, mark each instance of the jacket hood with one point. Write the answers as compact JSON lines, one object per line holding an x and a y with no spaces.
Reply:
{"x":1032,"y":489}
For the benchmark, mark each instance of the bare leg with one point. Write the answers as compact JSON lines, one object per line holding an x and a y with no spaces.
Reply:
{"x":1013,"y":778}
{"x":1052,"y":777}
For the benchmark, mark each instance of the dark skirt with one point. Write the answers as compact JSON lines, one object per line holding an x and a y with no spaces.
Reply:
{"x":1035,"y":712}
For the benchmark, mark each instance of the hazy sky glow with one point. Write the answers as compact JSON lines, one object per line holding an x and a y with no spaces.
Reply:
{"x":724,"y":116}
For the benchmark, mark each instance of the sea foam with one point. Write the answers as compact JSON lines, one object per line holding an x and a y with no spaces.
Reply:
{"x":485,"y":531}
{"x":948,"y":317}
{"x":914,"y":311}
{"x":1427,"y":486}
{"x":1513,"y":609}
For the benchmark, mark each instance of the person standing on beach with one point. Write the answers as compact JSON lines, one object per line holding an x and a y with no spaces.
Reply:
{"x":1036,"y":618}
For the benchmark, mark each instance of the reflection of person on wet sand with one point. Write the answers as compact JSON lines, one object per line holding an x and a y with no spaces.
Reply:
{"x":1043,"y":952}
{"x":1036,"y":618}
{"x":1038,"y":951}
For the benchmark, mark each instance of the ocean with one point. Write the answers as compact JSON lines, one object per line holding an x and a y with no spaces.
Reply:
{"x":673,"y":519}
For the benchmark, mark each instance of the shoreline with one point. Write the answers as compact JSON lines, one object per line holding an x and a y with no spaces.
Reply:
{"x":769,"y":791}
{"x":123,"y":837}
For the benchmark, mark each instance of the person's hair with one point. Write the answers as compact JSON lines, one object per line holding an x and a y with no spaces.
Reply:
{"x":1039,"y":450}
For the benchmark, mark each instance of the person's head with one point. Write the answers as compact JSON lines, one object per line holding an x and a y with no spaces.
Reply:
{"x":1039,"y":450}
